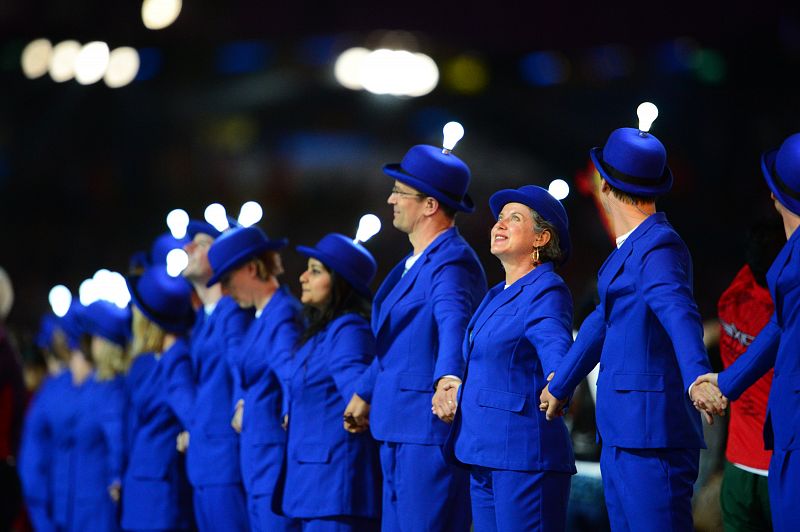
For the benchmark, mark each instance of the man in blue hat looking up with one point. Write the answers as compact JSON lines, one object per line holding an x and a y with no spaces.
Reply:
{"x":647,"y":335}
{"x":419,"y":316}
{"x":212,"y":456}
{"x":777,"y":344}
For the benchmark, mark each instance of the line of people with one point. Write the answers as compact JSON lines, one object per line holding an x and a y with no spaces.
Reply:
{"x":434,"y":404}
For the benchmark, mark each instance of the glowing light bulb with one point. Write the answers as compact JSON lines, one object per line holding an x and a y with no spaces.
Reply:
{"x":178,"y":221}
{"x":62,"y":60}
{"x":647,"y":113}
{"x":123,"y":65}
{"x":60,"y":299}
{"x":559,"y":189}
{"x":35,"y":58}
{"x":349,"y":66}
{"x":453,"y":132}
{"x":368,"y":226}
{"x":216,"y":216}
{"x":91,"y":62}
{"x":177,"y":260}
{"x":158,"y":14}
{"x":250,"y":213}
{"x":118,"y":290}
{"x":88,"y":292}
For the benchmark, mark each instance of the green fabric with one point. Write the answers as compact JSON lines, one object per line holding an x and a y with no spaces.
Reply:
{"x":745,"y":501}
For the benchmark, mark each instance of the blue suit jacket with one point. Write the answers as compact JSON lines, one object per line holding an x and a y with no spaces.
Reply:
{"x":330,"y":471}
{"x":419,"y":320}
{"x":516,"y":338}
{"x":213,"y":453}
{"x":262,"y":368}
{"x":778,"y":345}
{"x":647,"y":335}
{"x":155,"y":490}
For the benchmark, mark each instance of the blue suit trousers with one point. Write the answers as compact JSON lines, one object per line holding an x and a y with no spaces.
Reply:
{"x":221,"y":507}
{"x":784,"y":490}
{"x":649,"y":489}
{"x":523,"y":501}
{"x":421,"y":491}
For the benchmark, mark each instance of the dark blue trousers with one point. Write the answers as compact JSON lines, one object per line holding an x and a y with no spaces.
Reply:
{"x":784,"y":490}
{"x":221,"y":507}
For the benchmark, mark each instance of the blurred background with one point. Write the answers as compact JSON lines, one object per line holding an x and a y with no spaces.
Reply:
{"x":288,"y":104}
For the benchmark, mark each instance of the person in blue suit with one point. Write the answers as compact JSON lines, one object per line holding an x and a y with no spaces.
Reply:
{"x":247,"y":264}
{"x":778,"y":344}
{"x":96,"y":432}
{"x":332,"y":478}
{"x":520,"y":465}
{"x":419,"y":316}
{"x":647,"y":335}
{"x":212,"y":456}
{"x":155,"y":491}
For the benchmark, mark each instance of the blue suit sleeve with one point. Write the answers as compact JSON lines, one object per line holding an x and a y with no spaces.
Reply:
{"x":35,"y":449}
{"x":113,"y":425}
{"x":548,"y":326}
{"x":233,"y":331}
{"x":180,"y":382}
{"x":665,"y":276}
{"x":582,"y":356}
{"x":351,"y":348}
{"x":753,"y":364}
{"x":366,"y":384}
{"x":284,"y":342}
{"x":452,"y":297}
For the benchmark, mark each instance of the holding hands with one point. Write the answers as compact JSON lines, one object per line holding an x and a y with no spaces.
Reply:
{"x":550,"y":404}
{"x":356,"y":415}
{"x":444,"y":402}
{"x":707,"y":397}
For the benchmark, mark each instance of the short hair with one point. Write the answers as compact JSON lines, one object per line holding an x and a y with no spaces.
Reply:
{"x":550,"y":252}
{"x":268,"y":264}
{"x":631,"y":199}
{"x":448,"y":211}
{"x":344,"y":299}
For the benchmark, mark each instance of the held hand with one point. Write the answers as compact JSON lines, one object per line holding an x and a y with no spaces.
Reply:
{"x":707,"y":397}
{"x":182,"y":441}
{"x":114,"y":491}
{"x":236,"y":422}
{"x":285,"y":424}
{"x":443,"y":402}
{"x":356,"y":415}
{"x":552,"y":406}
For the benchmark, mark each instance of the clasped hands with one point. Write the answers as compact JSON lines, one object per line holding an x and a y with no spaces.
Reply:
{"x":356,"y":415}
{"x":704,"y":392}
{"x":444,"y":402}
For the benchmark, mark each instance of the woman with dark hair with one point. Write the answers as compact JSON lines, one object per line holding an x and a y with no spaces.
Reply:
{"x":155,"y":491}
{"x":331,"y":481}
{"x":520,"y":465}
{"x":247,"y":264}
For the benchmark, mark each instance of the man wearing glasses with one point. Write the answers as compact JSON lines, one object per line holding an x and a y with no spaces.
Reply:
{"x":419,"y":316}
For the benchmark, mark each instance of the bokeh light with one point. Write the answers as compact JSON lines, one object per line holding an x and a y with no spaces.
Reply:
{"x":35,"y":58}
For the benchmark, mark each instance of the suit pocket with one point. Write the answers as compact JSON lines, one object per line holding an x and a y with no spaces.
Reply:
{"x":415,"y":382}
{"x":513,"y":402}
{"x":312,"y":454}
{"x":638,"y":382}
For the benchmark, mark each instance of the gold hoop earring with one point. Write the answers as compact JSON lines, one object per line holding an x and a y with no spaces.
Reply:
{"x":535,"y":256}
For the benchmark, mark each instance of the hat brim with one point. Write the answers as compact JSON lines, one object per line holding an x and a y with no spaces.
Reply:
{"x":173,"y":324}
{"x":395,"y":170}
{"x":767,"y":168}
{"x":328,"y":261}
{"x":662,"y":186}
{"x":243,"y":256}
{"x":503,"y":197}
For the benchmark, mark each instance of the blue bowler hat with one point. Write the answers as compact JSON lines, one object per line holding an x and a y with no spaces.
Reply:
{"x":781,"y":168}
{"x":236,"y":246}
{"x":541,"y":201}
{"x":48,"y":325}
{"x":350,"y":260}
{"x":162,"y":245}
{"x":105,"y":319}
{"x":440,"y":175}
{"x":72,"y":324}
{"x":201,"y":226}
{"x":163,"y":299}
{"x":634,"y":162}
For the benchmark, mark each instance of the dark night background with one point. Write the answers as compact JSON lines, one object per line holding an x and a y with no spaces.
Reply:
{"x":237,"y":101}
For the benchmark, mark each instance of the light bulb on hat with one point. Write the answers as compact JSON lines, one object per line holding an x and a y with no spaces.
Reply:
{"x":368,"y":226}
{"x":647,"y":113}
{"x":216,"y":216}
{"x":60,"y":299}
{"x":250,"y":214}
{"x":559,"y":189}
{"x":118,"y":290}
{"x":88,"y":292}
{"x":177,"y":261}
{"x":178,"y":221}
{"x":453,"y":132}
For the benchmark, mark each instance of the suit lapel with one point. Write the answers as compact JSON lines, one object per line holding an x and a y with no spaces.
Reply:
{"x":775,"y":272}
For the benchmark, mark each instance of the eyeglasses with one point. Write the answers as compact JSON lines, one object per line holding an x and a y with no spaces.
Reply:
{"x":397,"y":192}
